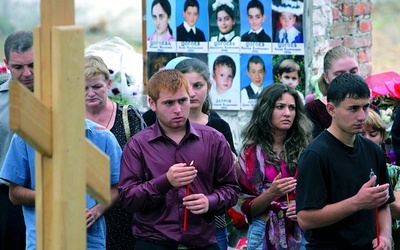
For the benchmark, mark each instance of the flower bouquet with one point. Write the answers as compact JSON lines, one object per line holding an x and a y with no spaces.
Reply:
{"x":385,"y":90}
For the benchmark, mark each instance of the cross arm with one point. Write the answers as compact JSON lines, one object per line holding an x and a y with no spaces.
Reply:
{"x":30,"y":118}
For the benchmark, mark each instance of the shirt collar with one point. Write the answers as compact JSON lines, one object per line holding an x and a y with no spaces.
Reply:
{"x":157,"y":131}
{"x":5,"y":86}
{"x":188,"y":28}
{"x":255,"y":88}
{"x":228,"y":36}
{"x":256,"y":31}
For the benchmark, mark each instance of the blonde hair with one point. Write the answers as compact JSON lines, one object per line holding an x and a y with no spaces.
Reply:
{"x":332,"y":55}
{"x":95,"y":66}
{"x":376,"y":123}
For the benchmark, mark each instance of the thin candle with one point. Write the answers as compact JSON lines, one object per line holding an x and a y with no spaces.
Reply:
{"x":185,"y":211}
{"x":287,"y":199}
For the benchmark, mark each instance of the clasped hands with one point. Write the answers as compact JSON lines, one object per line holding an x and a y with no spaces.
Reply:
{"x":180,"y":175}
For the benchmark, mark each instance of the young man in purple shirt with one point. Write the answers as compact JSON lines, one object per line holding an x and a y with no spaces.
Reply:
{"x":161,"y":161}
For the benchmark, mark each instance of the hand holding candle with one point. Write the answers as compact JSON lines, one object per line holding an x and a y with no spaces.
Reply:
{"x":185,"y":211}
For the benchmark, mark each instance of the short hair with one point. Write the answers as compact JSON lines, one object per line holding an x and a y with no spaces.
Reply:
{"x":255,"y":60}
{"x":170,"y":79}
{"x":332,"y":55}
{"x":20,"y":41}
{"x":227,"y":61}
{"x":227,"y":9}
{"x":191,"y":3}
{"x":347,"y":86}
{"x":288,"y":66}
{"x":376,"y":123}
{"x":255,"y":4}
{"x":201,"y":68}
{"x":95,"y":66}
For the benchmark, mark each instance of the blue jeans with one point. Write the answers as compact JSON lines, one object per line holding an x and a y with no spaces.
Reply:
{"x":222,"y":238}
{"x":256,"y":235}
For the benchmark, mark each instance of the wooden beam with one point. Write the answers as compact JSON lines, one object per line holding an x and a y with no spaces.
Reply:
{"x":69,"y":150}
{"x":97,"y":167}
{"x":30,"y":119}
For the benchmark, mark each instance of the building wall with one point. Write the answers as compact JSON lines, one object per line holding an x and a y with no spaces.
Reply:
{"x":328,"y":23}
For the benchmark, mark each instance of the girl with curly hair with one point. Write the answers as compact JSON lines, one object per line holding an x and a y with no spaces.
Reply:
{"x":274,"y":138}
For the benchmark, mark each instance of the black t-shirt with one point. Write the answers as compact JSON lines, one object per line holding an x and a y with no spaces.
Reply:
{"x":329,"y":172}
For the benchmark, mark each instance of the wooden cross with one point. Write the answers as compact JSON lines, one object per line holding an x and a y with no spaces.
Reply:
{"x":52,"y":121}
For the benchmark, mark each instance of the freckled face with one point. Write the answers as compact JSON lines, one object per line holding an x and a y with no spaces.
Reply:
{"x":172,"y":108}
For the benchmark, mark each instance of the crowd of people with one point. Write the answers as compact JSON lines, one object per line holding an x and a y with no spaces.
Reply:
{"x":311,"y":176}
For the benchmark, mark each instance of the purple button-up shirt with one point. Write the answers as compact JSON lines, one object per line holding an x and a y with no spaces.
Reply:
{"x":157,"y":205}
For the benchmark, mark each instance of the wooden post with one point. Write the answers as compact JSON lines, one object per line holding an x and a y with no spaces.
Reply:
{"x":52,"y":121}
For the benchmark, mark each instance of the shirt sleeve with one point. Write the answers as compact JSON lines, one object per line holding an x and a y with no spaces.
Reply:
{"x":16,"y":164}
{"x":310,"y":188}
{"x":138,"y":191}
{"x":113,"y":150}
{"x":226,"y":187}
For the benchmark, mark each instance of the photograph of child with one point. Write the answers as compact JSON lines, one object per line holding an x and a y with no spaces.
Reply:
{"x":259,"y":20}
{"x":193,"y":17}
{"x":224,"y":15}
{"x":288,"y":24}
{"x":254,"y":77}
{"x":289,"y":69}
{"x":225,"y":90}
{"x":160,"y":11}
{"x":289,"y":73}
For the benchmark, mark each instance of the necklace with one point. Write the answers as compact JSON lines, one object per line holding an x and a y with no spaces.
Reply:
{"x":112,"y":112}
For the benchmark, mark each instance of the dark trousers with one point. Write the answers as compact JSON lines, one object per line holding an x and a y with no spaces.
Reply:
{"x":12,"y":225}
{"x":167,"y":245}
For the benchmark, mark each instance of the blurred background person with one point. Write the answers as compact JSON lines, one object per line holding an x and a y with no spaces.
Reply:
{"x":337,"y":60}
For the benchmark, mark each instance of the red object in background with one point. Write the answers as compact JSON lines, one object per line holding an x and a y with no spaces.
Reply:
{"x":387,"y":83}
{"x":3,"y":68}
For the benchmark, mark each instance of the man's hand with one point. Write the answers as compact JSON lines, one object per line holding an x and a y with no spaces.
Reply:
{"x":181,"y":174}
{"x":196,"y":203}
{"x":369,"y":197}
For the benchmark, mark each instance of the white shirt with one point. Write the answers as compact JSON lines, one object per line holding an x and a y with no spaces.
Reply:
{"x":244,"y":97}
{"x":188,"y":28}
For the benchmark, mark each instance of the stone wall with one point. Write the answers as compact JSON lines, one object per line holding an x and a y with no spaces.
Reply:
{"x":328,"y":23}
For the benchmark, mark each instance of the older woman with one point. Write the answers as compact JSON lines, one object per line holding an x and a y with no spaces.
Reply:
{"x":276,"y":134}
{"x":123,"y":124}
